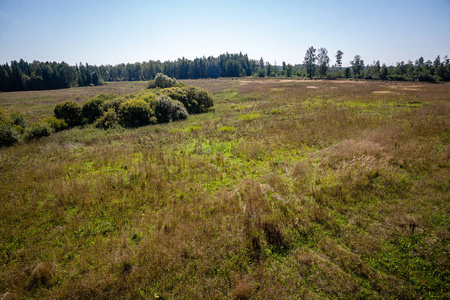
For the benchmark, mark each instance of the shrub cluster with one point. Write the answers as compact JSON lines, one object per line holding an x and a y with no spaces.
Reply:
{"x":195,"y":100}
{"x":172,"y":101}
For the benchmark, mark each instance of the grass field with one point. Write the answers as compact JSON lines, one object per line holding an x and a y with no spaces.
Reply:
{"x":287,"y":190}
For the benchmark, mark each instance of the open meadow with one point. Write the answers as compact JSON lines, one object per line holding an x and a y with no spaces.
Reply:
{"x":288,"y":189}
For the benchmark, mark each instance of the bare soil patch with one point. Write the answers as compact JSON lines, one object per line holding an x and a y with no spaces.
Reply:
{"x":383,"y":92}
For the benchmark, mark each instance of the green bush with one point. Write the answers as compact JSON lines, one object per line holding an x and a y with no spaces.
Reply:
{"x":37,"y":131}
{"x":108,"y":120}
{"x":201,"y":97}
{"x":69,"y":111}
{"x":56,"y":124}
{"x":113,"y":103}
{"x":135,"y":113}
{"x":194,"y":99}
{"x":92,"y":109}
{"x":8,"y":135}
{"x":164,"y":81}
{"x":168,"y":110}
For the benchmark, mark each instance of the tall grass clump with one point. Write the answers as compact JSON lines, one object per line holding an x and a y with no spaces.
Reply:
{"x":19,"y":119}
{"x":4,"y":117}
{"x":11,"y":127}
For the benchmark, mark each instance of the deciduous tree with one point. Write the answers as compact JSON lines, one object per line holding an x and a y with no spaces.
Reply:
{"x":310,"y":61}
{"x":357,"y":66}
{"x":323,"y":61}
{"x":339,"y":54}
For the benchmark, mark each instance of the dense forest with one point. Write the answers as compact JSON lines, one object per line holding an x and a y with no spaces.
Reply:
{"x":20,"y":76}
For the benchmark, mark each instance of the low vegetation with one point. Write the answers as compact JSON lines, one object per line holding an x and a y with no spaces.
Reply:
{"x":287,"y":189}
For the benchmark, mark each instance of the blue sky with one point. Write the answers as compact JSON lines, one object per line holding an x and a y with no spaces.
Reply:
{"x":112,"y":32}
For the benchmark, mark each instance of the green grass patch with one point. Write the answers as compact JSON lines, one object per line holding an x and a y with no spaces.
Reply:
{"x":227,"y":129}
{"x":248,"y":117}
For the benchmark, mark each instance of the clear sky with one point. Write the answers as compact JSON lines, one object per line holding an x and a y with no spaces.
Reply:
{"x":112,"y":32}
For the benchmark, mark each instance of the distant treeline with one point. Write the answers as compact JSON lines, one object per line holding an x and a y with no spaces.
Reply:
{"x":22,"y":76}
{"x":225,"y":65}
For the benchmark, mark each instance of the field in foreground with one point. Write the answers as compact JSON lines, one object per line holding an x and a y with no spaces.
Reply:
{"x":289,"y":189}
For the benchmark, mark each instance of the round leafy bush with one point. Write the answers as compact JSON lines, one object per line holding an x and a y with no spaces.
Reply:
{"x":194,"y":99}
{"x":108,"y":120}
{"x":37,"y":131}
{"x":8,"y":135}
{"x":201,"y":97}
{"x":167,"y":110}
{"x":135,"y":113}
{"x":69,"y":111}
{"x":179,"y":112}
{"x":56,"y":124}
{"x":164,"y":81}
{"x":92,"y":109}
